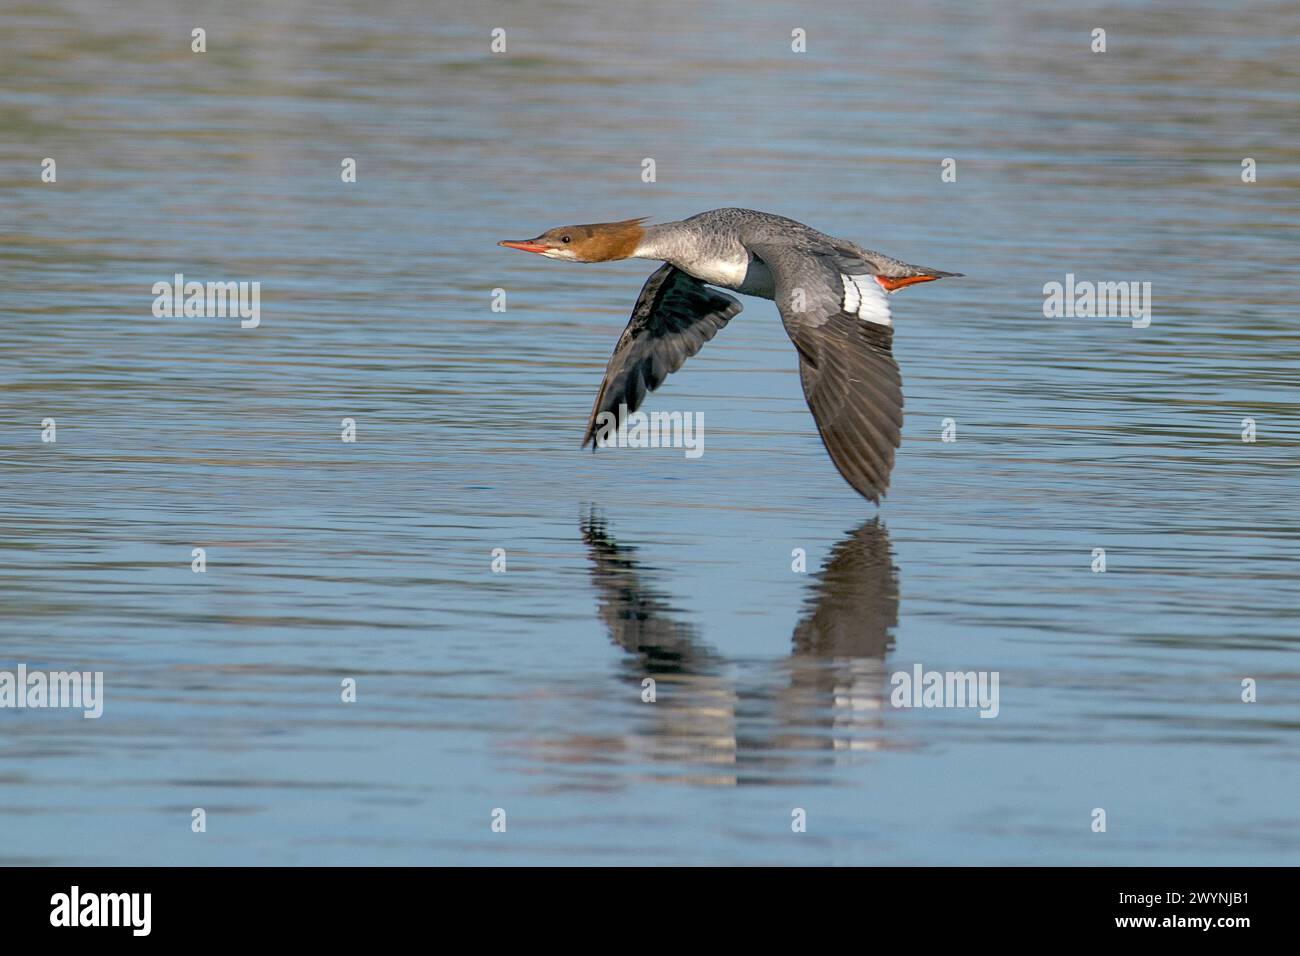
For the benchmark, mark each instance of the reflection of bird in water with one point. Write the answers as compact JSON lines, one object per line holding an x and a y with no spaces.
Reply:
{"x":854,"y":605}
{"x":639,"y":619}
{"x":841,"y":642}
{"x":827,"y":695}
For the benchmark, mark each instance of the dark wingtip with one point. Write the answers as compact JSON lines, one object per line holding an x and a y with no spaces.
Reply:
{"x":871,"y":494}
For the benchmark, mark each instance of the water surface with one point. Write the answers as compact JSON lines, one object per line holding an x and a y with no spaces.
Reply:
{"x":523,"y":690}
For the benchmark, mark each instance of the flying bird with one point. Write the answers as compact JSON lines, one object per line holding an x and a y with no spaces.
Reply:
{"x":833,"y":300}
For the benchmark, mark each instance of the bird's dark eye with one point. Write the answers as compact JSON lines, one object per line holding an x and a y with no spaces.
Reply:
{"x":564,"y":238}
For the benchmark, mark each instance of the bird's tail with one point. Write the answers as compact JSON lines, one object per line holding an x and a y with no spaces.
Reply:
{"x":916,"y":274}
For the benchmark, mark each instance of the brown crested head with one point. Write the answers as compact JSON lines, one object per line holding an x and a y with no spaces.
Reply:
{"x":594,"y":242}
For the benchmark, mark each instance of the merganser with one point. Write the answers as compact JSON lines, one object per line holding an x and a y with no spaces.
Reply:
{"x":831,"y":293}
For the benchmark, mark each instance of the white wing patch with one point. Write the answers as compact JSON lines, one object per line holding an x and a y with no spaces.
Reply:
{"x":864,"y":298}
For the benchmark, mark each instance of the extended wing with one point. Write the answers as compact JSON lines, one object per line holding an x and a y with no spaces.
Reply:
{"x":672,"y":319}
{"x":837,"y":315}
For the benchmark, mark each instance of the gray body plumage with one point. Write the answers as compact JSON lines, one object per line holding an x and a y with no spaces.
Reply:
{"x":716,"y":245}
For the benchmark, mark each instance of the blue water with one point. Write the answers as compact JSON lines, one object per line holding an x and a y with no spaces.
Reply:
{"x":522,"y":690}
